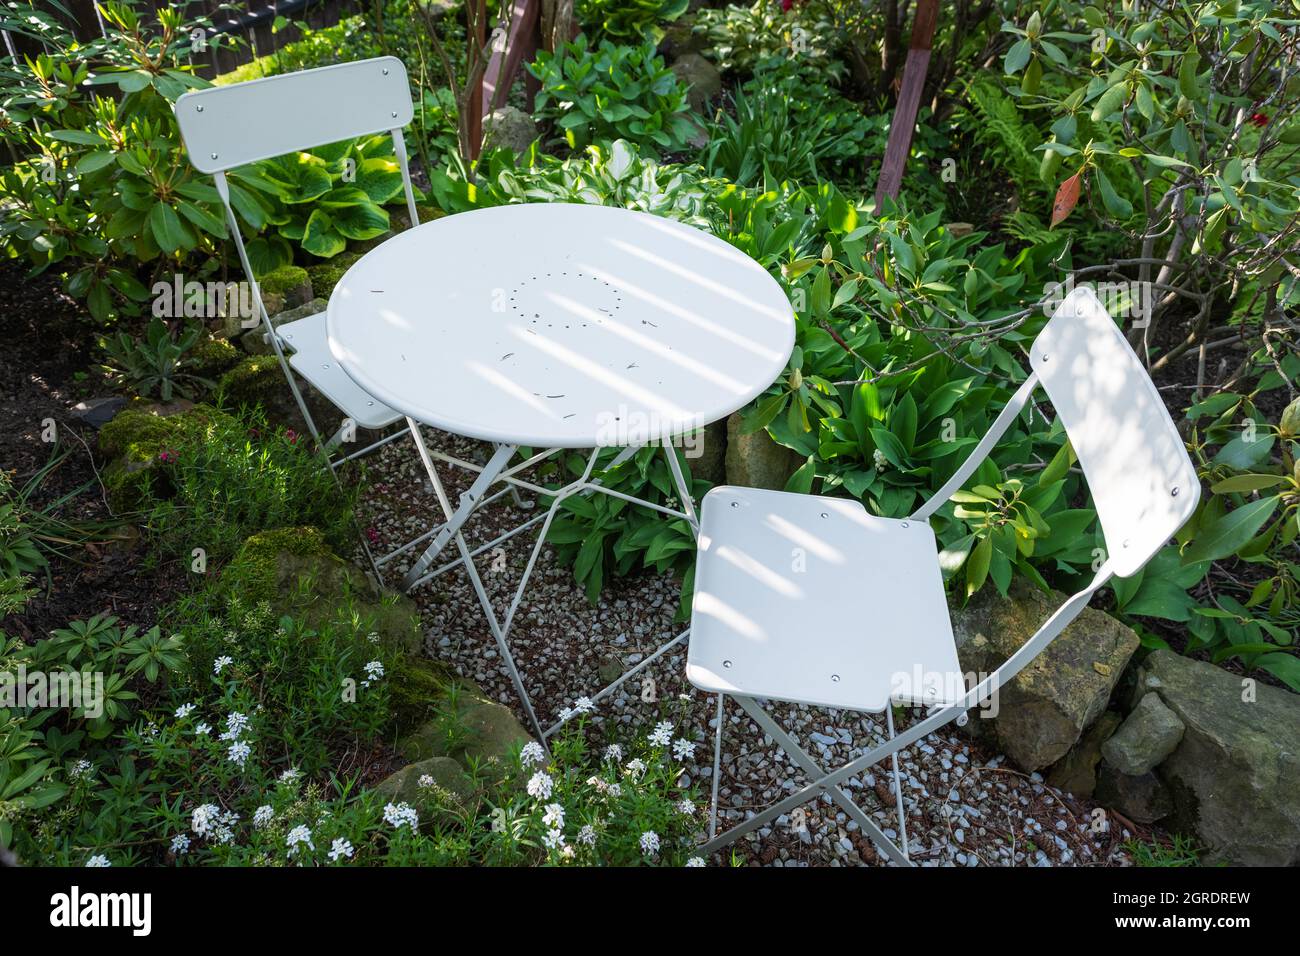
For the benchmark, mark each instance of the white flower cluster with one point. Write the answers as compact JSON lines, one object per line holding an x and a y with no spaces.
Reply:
{"x":374,"y":670}
{"x":540,"y":786}
{"x":221,"y":663}
{"x":299,"y":837}
{"x":213,"y":823}
{"x":263,"y":816}
{"x":650,"y":843}
{"x":341,"y":849}
{"x":583,"y":705}
{"x":532,"y":754}
{"x":81,"y":770}
{"x":662,"y":734}
{"x":398,"y":815}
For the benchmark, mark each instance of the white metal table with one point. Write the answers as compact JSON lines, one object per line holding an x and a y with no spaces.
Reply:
{"x":551,"y":326}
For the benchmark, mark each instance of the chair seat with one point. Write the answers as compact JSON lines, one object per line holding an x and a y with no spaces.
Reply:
{"x":811,"y":599}
{"x":313,"y":361}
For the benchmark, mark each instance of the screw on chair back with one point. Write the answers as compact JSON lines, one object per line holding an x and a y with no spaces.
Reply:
{"x":225,"y":127}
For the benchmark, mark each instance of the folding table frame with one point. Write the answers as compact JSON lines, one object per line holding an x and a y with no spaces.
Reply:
{"x":498,"y":469}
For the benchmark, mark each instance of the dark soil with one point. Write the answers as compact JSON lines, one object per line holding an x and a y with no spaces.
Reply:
{"x":48,"y":365}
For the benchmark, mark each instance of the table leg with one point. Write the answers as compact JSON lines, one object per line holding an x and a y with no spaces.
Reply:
{"x":468,"y":501}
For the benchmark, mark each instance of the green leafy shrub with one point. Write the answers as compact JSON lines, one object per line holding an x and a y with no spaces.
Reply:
{"x":628,"y":21}
{"x":790,"y":124}
{"x":209,"y":479}
{"x":603,"y":537}
{"x":741,"y":38}
{"x":1165,"y":123}
{"x":161,"y":364}
{"x":612,"y":92}
{"x":612,"y":175}
{"x":103,"y":183}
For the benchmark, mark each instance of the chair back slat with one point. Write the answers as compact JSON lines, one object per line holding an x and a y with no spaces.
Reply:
{"x":228,"y":126}
{"x":1143,"y":484}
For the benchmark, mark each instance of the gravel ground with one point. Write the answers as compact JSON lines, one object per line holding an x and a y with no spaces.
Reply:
{"x":964,"y":806}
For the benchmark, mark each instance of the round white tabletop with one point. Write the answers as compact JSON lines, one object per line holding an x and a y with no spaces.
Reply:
{"x":560,"y":325}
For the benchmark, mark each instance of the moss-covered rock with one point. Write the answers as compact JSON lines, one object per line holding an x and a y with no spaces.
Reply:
{"x":428,"y":786}
{"x":139,"y":438}
{"x":210,"y":358}
{"x":326,"y":275}
{"x":294,"y":571}
{"x":290,"y":282}
{"x":470,"y":728}
{"x":1044,"y":710}
{"x":255,"y":380}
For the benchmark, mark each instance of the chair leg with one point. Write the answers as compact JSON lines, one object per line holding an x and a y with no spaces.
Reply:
{"x":898,"y":786}
{"x":717,"y":770}
{"x":820,"y":785}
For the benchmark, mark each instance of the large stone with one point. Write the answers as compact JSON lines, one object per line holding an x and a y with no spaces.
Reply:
{"x":510,"y":127}
{"x":1235,"y":775}
{"x":473,"y":730}
{"x":441,"y":776}
{"x":284,"y":288}
{"x":680,"y":38}
{"x":294,"y":571}
{"x":755,"y":460}
{"x":1076,"y":772}
{"x":1143,"y":798}
{"x":706,"y":453}
{"x":1148,"y":736}
{"x":701,"y":76}
{"x":1045,"y":708}
{"x":140,"y":437}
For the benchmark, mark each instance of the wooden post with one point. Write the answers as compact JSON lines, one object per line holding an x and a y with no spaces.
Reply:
{"x":909,"y":101}
{"x":475,"y":126}
{"x":520,"y":45}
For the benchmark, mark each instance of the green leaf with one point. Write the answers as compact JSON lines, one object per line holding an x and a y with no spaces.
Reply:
{"x":320,"y":238}
{"x":1115,"y":204}
{"x":166,"y":226}
{"x":1285,"y":667}
{"x":1232,"y":531}
{"x":977,"y":566}
{"x":362,"y":221}
{"x":1239,"y":483}
{"x":1109,"y":101}
{"x":1017,"y":56}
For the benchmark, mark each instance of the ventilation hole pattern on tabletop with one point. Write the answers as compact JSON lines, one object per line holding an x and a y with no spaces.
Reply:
{"x":564,"y":300}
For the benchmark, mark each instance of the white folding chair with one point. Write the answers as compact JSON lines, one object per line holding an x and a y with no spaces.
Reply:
{"x":226,"y":127}
{"x":863,"y":623}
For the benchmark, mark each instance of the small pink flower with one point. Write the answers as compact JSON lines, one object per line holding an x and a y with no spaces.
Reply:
{"x":167,"y":457}
{"x":1260,"y":119}
{"x":292,"y":435}
{"x":373,"y":535}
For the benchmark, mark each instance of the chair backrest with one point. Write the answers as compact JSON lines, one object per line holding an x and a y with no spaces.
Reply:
{"x":1143,"y":484}
{"x":228,"y":126}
